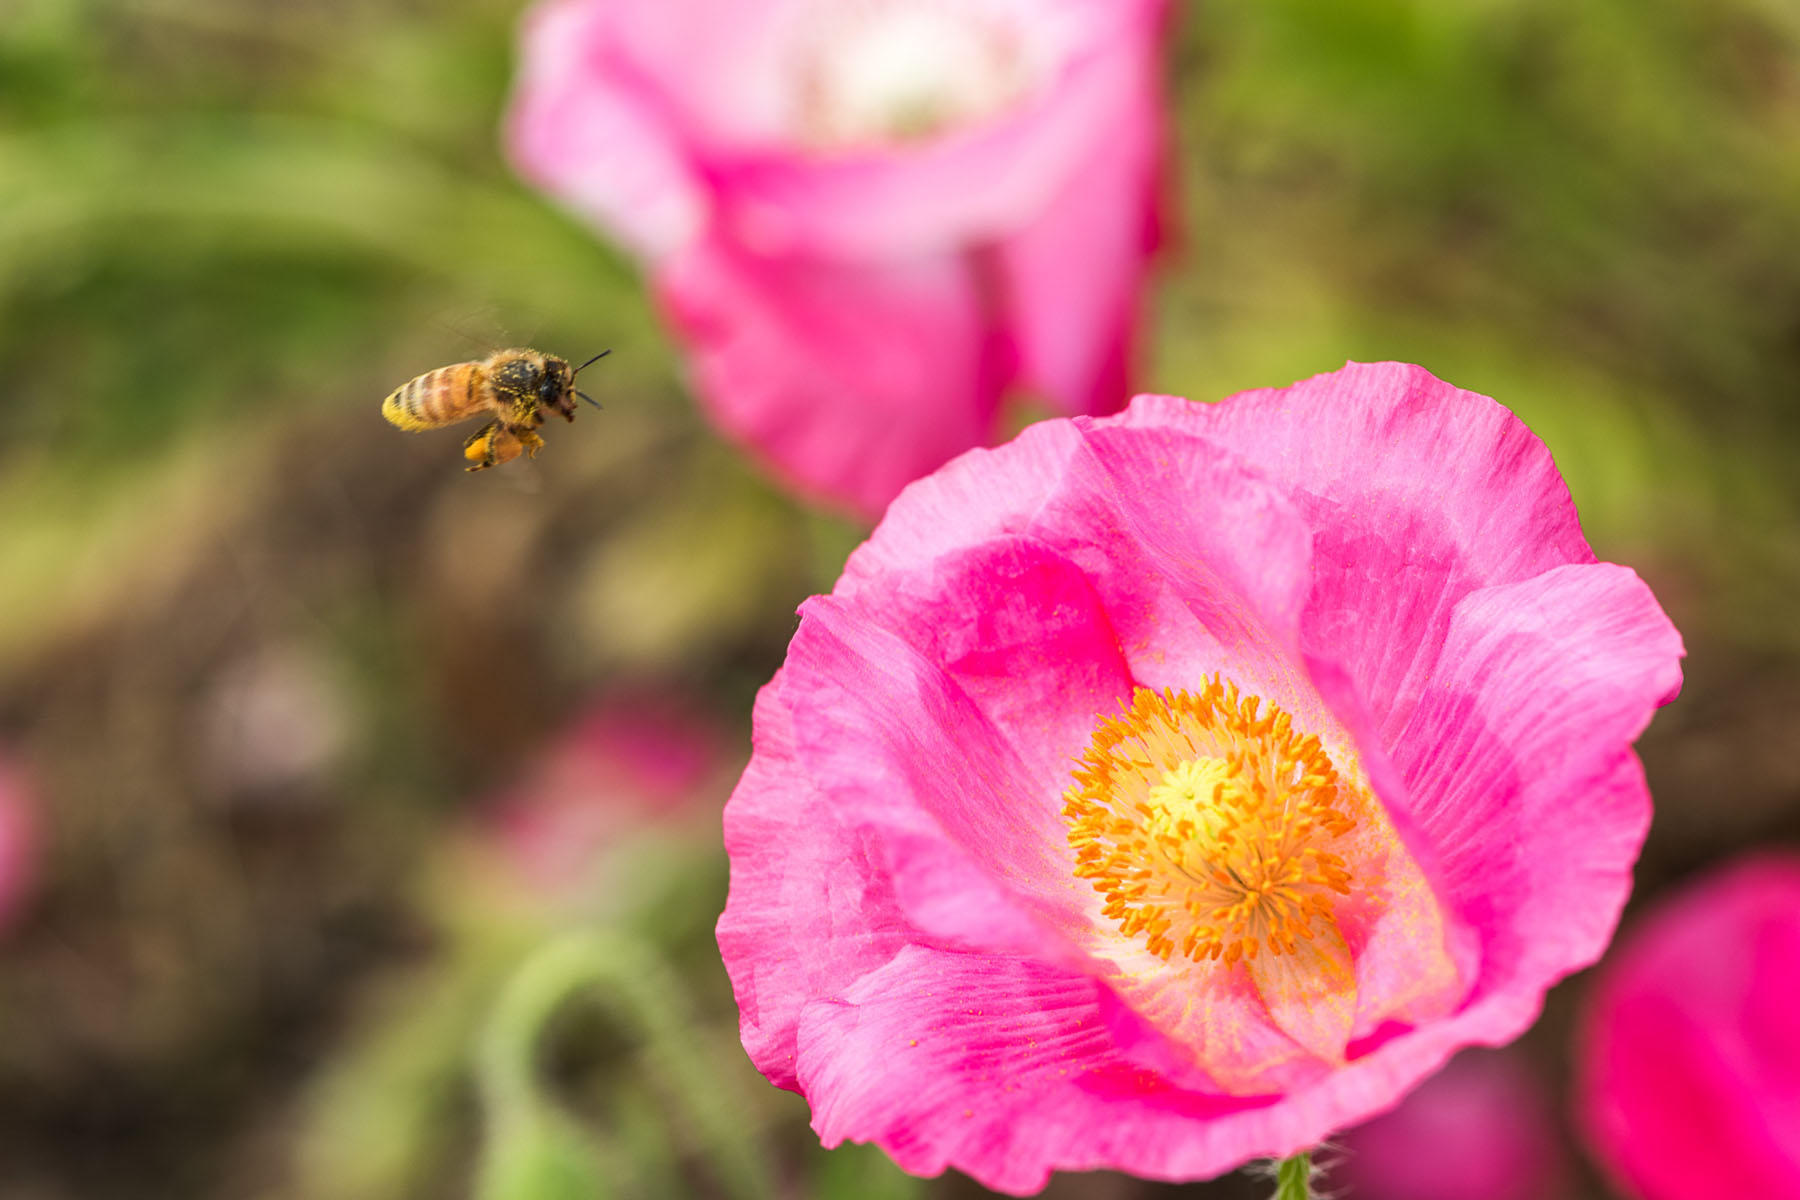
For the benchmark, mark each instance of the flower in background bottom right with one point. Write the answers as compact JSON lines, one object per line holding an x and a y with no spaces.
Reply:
{"x":1689,"y":1062}
{"x":1483,"y":1128}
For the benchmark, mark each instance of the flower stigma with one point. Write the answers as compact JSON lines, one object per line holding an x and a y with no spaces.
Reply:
{"x":1208,"y":824}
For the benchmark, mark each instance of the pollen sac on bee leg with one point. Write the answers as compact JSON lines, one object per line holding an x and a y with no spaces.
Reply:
{"x":495,"y":445}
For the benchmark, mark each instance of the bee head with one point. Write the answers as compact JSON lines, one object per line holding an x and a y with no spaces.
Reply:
{"x":556,"y":390}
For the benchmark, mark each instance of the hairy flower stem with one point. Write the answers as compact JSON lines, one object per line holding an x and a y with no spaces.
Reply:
{"x":648,"y":1002}
{"x":1293,"y":1177}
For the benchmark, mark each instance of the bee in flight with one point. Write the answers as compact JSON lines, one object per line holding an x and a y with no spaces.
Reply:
{"x":519,"y":387}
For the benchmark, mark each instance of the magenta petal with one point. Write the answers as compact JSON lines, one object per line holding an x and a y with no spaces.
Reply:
{"x":1689,"y":1064}
{"x":1483,"y":1128}
{"x":849,"y":381}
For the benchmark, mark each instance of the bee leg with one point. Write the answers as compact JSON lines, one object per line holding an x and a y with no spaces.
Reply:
{"x":481,"y":446}
{"x":531,"y":441}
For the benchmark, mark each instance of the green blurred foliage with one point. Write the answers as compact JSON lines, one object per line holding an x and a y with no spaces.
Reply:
{"x":1590,"y":211}
{"x":227,"y":229}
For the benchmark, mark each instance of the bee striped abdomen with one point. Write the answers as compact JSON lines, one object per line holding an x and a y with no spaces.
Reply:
{"x":514,"y":389}
{"x":440,"y":397}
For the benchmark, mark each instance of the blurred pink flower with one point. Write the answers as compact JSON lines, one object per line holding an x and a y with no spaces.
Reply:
{"x":628,"y":762}
{"x":1480,"y":1129}
{"x":866,"y":218}
{"x":1689,"y":1061}
{"x":18,"y":842}
{"x":1170,"y":790}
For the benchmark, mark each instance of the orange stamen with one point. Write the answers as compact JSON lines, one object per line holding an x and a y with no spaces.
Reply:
{"x":1205,"y":822}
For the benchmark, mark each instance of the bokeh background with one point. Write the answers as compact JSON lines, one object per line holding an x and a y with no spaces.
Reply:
{"x":366,"y":838}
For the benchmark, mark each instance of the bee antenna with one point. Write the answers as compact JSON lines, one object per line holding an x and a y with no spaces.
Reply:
{"x":590,"y":362}
{"x":587,"y":397}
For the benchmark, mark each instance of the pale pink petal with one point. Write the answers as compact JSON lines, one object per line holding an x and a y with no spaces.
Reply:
{"x":1072,"y":280}
{"x":1416,"y":959}
{"x":719,"y":69}
{"x":578,"y":128}
{"x":1207,"y":1032}
{"x":849,"y":382}
{"x":898,"y":201}
{"x":1202,"y":565}
{"x":1539,"y":690}
{"x":1311,"y":993}
{"x":799,"y":875}
{"x":1204,"y":1027}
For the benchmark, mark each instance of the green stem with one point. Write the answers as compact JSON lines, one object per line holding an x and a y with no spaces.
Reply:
{"x":1293,"y":1177}
{"x":643,"y":996}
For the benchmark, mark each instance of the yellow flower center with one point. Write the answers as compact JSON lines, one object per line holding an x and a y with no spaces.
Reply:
{"x":1207,"y":824}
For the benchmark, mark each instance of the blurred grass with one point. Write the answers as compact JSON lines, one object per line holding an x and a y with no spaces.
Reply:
{"x":228,"y":228}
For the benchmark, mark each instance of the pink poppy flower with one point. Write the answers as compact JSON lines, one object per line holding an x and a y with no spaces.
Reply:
{"x":865,"y":218}
{"x":1689,"y":1061}
{"x":1168,"y":790}
{"x":1480,"y":1129}
{"x":630,"y":762}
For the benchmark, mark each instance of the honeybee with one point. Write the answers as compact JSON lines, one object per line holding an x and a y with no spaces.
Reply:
{"x":518,"y":386}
